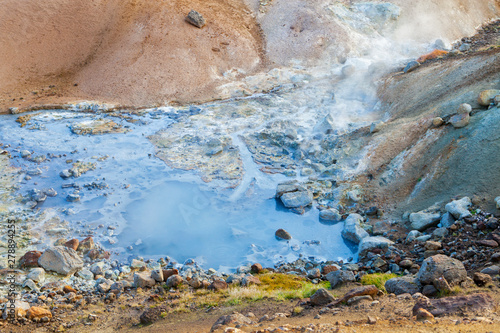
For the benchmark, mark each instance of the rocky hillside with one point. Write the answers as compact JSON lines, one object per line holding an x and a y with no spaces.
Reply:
{"x":140,"y":53}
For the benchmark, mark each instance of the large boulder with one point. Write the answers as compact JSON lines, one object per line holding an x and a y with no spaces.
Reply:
{"x":337,"y":278}
{"x":440,"y":265}
{"x":403,"y":285}
{"x":61,"y":259}
{"x":352,"y":229}
{"x":474,"y":304}
{"x":422,"y":220}
{"x":459,"y":208}
{"x":371,"y":243}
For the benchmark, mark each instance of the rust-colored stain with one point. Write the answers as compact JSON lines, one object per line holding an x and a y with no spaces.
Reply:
{"x":433,"y":55}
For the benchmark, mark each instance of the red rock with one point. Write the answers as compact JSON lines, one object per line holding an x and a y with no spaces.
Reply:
{"x":38,"y":312}
{"x":30,"y":259}
{"x":249,"y":280}
{"x":218,"y":285}
{"x":482,"y":279}
{"x":72,"y":244}
{"x":169,"y":272}
{"x":422,"y":314}
{"x":86,"y":245}
{"x":488,"y":242}
{"x":433,"y":55}
{"x":329,"y":268}
{"x":370,"y":290}
{"x":69,"y":289}
{"x":98,"y":254}
{"x":256,"y":268}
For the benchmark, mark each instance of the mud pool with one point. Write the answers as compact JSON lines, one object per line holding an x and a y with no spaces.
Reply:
{"x":199,"y":181}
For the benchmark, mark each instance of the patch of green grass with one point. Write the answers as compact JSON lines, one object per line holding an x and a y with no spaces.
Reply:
{"x":377,"y":279}
{"x":297,"y":310}
{"x":233,"y":302}
{"x":275,"y":281}
{"x":454,"y":291}
{"x":208,"y":304}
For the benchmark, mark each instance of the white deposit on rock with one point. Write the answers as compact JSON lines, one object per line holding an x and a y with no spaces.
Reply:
{"x":352,"y":229}
{"x":371,"y":243}
{"x":36,"y":274}
{"x":422,"y":220}
{"x":61,"y":259}
{"x":459,"y":208}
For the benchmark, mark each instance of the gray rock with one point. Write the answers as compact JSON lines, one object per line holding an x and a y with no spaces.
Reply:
{"x":429,"y":290}
{"x":423,"y":238}
{"x":37,"y":195}
{"x":359,"y":299}
{"x":464,"y":108}
{"x":98,"y":268}
{"x":352,"y":229}
{"x":157,"y":274}
{"x":376,"y":126}
{"x":412,"y":65}
{"x":297,"y":199}
{"x":73,"y":197}
{"x":50,"y":192}
{"x":330,"y":214}
{"x":142,"y":280}
{"x":374,"y":242}
{"x":412,"y":235}
{"x":497,"y":202}
{"x":137,"y":263}
{"x":464,"y":47}
{"x":314,"y":273}
{"x":402,"y":285}
{"x":36,"y":274}
{"x":195,"y":19}
{"x":86,"y":274}
{"x":447,"y":220}
{"x":104,"y":286}
{"x":321,"y":297}
{"x":440,"y":233}
{"x":354,"y":195}
{"x":459,"y":208}
{"x":61,"y":259}
{"x":25,"y":153}
{"x":460,"y":120}
{"x":340,"y":277}
{"x":28,"y":283}
{"x":491,"y":270}
{"x":440,"y":265}
{"x":422,"y":220}
{"x":65,"y":174}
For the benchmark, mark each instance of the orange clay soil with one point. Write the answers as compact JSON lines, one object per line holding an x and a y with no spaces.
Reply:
{"x":121,"y":51}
